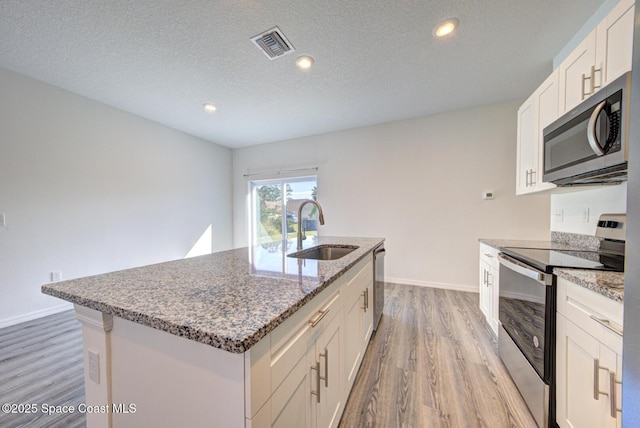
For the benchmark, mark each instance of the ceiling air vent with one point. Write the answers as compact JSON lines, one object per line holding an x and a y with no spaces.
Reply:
{"x":273,"y":43}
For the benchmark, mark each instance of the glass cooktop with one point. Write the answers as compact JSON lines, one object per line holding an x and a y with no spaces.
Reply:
{"x":545,"y":259}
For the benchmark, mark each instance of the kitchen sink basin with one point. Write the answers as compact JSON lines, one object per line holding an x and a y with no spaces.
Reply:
{"x":324,"y":252}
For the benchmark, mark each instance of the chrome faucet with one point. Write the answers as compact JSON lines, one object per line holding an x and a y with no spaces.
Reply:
{"x":320,"y":219}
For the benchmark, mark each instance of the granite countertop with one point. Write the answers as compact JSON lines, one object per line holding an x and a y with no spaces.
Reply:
{"x":229,"y":300}
{"x":609,"y":284}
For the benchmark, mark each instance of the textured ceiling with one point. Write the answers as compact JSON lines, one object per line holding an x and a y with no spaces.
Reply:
{"x":375,"y":60}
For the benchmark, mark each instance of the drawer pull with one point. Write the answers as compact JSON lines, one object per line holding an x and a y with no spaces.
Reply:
{"x":606,"y":323}
{"x":316,"y":321}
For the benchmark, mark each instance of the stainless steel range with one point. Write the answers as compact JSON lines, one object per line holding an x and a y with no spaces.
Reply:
{"x":527,"y":309}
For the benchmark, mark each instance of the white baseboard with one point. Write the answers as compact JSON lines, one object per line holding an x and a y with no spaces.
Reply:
{"x":7,"y":322}
{"x":445,"y":286}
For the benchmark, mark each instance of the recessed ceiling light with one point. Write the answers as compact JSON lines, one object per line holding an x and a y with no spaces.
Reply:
{"x":304,"y":62}
{"x":209,"y":108}
{"x":446,"y":27}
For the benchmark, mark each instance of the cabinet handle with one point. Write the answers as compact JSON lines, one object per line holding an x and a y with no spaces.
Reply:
{"x":317,"y":391}
{"x":614,"y":395}
{"x":319,"y":318}
{"x":583,"y":92}
{"x":595,"y":70}
{"x":367,"y":291}
{"x":325,"y":355}
{"x":488,"y":255}
{"x":592,"y":81}
{"x":596,"y":379}
{"x":606,"y":323}
{"x":364,"y":300}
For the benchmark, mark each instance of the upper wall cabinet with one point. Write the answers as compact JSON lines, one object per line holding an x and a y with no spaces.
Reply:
{"x":614,"y":44}
{"x":601,"y":57}
{"x":604,"y":55}
{"x":537,"y":112}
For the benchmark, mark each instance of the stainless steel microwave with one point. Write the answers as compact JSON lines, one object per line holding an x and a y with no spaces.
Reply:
{"x":588,"y":145}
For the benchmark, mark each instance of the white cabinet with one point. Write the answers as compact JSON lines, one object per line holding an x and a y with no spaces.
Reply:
{"x":328,"y":392}
{"x":588,"y":358}
{"x":538,"y":111}
{"x":358,"y":321}
{"x":315,"y":356}
{"x":489,"y":271}
{"x":606,"y":53}
{"x":578,"y":74}
{"x":614,"y":44}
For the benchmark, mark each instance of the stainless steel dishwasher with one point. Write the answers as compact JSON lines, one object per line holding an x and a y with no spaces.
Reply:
{"x":378,"y":288}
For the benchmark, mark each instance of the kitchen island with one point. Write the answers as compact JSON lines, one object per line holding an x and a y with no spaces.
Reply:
{"x":229,"y":339}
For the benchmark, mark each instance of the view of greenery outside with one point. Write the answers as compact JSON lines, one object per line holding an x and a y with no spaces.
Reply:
{"x":269,"y":204}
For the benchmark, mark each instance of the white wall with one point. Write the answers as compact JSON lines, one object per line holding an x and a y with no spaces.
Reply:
{"x":416,"y":182}
{"x":87,"y":189}
{"x":567,"y":208}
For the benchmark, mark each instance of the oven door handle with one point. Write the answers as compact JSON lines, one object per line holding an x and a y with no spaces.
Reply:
{"x":525,"y":270}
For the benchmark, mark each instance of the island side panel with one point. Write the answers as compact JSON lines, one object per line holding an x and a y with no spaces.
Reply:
{"x":96,"y":350}
{"x":173,"y":381}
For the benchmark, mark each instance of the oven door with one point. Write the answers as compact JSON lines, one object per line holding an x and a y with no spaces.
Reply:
{"x":526,"y":306}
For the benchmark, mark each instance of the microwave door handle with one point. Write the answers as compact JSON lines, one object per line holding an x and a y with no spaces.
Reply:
{"x":525,"y":270}
{"x":591,"y":130}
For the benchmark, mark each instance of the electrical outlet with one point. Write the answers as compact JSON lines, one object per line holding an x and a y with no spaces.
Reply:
{"x":94,"y":366}
{"x":56,"y":276}
{"x":558,"y":216}
{"x":585,"y":215}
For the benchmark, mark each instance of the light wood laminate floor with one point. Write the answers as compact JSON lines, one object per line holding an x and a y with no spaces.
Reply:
{"x":433,"y":363}
{"x":41,"y":364}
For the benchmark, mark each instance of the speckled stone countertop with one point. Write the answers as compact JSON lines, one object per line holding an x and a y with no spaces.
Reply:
{"x":229,"y":300}
{"x":609,"y":284}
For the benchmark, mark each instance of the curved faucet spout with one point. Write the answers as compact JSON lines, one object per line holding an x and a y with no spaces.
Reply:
{"x":320,"y":219}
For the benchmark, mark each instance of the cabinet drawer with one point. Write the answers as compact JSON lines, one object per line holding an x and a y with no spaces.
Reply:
{"x":290,"y":341}
{"x":489,"y":255}
{"x":585,"y":307}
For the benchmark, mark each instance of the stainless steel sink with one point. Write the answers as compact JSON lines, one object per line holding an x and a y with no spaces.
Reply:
{"x":324,"y":252}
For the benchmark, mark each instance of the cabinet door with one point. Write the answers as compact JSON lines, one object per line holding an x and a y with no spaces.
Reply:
{"x":329,"y":355}
{"x":573,"y":87}
{"x":367,"y":315}
{"x":291,"y":402}
{"x":353,"y":352}
{"x":547,"y":96}
{"x":526,"y":145}
{"x":485,"y":291}
{"x":576,"y":378}
{"x":615,"y":41}
{"x":494,"y":286}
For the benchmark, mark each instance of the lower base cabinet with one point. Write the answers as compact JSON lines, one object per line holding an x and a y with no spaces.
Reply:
{"x":589,"y":359}
{"x":314,"y":359}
